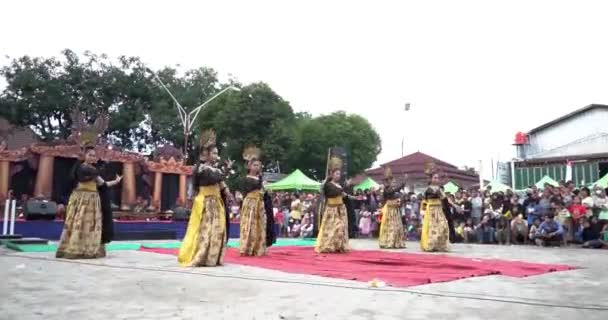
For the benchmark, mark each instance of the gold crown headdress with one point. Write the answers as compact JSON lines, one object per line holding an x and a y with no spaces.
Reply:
{"x":251,"y":153}
{"x":429,"y":168}
{"x":88,"y":135}
{"x":208,"y":139}
{"x":335,"y":163}
{"x":388,"y":173}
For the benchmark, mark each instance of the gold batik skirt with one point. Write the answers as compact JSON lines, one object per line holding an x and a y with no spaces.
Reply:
{"x":435,"y":232}
{"x":81,"y":236}
{"x":392,"y":235}
{"x":333,"y":233}
{"x":205,"y":240}
{"x":253,"y":225}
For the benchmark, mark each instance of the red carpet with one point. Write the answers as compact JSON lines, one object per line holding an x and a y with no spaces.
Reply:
{"x":395,"y":269}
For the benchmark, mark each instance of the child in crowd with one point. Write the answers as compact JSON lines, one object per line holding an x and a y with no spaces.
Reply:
{"x":534,"y":229}
{"x":365,"y":222}
{"x":563,"y":217}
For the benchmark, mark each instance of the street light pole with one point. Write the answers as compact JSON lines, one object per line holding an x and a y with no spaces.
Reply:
{"x":188,"y":118}
{"x":407,"y":108}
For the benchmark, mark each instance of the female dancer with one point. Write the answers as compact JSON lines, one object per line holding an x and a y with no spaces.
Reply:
{"x":84,"y":231}
{"x":392,"y":235}
{"x":333,"y":233}
{"x":207,"y":234}
{"x":254,"y":235}
{"x":435,"y":233}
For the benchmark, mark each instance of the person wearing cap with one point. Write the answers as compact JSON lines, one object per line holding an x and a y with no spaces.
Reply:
{"x":550,"y":232}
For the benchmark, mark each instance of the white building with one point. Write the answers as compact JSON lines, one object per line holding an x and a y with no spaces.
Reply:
{"x":580,"y":137}
{"x":584,"y":131}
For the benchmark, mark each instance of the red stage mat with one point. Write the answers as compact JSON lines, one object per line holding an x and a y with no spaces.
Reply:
{"x":395,"y":269}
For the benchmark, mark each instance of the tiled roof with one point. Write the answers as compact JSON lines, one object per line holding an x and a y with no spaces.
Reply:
{"x":16,"y":137}
{"x":414,"y":166}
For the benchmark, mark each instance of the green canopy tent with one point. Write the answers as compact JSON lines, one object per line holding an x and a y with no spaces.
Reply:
{"x":450,"y":187}
{"x":295,"y":181}
{"x":366,"y":184}
{"x":603,"y":182}
{"x":546,"y":180}
{"x":498,"y":186}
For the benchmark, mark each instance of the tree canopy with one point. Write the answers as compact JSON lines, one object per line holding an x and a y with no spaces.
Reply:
{"x":42,"y":92}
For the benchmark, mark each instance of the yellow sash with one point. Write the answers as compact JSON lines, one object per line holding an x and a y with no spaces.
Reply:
{"x":87,"y":186}
{"x":256,"y":194}
{"x":335,"y":201}
{"x":213,"y":190}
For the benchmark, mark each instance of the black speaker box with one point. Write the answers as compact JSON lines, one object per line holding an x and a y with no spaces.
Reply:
{"x":40,"y":210}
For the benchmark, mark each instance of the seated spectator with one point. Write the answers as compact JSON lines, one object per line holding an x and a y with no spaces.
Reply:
{"x":519,"y":230}
{"x":460,"y":232}
{"x":485,"y":231}
{"x":550,"y":232}
{"x":593,"y":235}
{"x":294,"y":229}
{"x":306,"y":228}
{"x":469,"y":235}
{"x":503,"y":234}
{"x":534,"y":229}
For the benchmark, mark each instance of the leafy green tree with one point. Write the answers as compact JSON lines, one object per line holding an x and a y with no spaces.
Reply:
{"x":255,"y":115}
{"x":317,"y":135}
{"x":42,"y":92}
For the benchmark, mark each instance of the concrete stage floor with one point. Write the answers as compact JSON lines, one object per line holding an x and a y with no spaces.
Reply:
{"x":138,"y":285}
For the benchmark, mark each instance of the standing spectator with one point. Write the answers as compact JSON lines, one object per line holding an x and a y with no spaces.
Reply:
{"x":600,"y":204}
{"x":296,"y":208}
{"x":531,"y":205}
{"x":476,"y":207}
{"x":365,"y":222}
{"x":279,"y":219}
{"x":564,"y":218}
{"x":587,"y":201}
{"x":544,"y":204}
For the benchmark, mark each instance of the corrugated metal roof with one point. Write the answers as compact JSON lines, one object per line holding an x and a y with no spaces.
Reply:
{"x":568,"y":116}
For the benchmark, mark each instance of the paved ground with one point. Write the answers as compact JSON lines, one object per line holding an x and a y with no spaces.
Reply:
{"x":138,"y":285}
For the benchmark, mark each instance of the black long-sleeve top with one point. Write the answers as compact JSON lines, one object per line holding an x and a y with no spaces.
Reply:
{"x":392,"y":192}
{"x":332,"y":190}
{"x":250,"y":184}
{"x":86,"y":173}
{"x":208,"y":176}
{"x":432,"y":193}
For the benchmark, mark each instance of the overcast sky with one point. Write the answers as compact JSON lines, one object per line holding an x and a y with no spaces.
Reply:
{"x":475,"y":72}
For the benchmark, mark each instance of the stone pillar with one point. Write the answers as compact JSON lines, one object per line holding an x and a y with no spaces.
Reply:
{"x":44,"y":177}
{"x":128,"y":196}
{"x":183,"y":189}
{"x":5,"y":179}
{"x":158,"y":187}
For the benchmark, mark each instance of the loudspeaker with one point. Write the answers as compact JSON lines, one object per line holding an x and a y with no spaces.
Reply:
{"x":181,"y":214}
{"x":40,"y":210}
